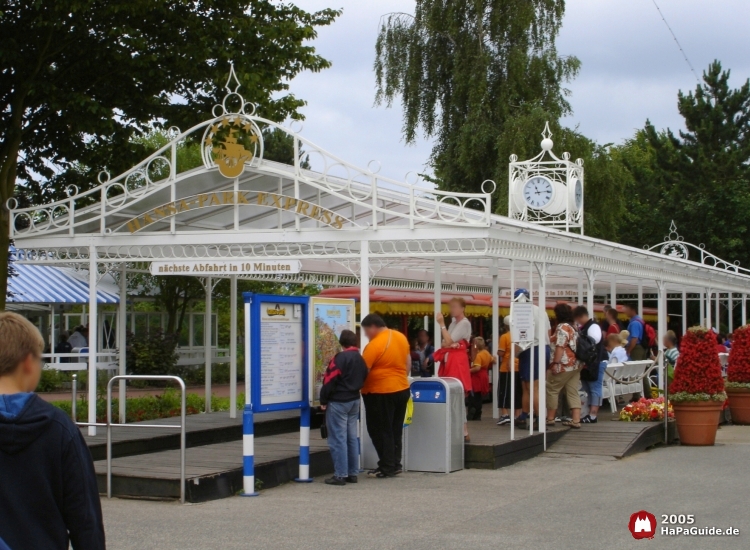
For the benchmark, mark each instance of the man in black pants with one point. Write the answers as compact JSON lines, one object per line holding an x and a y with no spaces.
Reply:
{"x":386,"y":392}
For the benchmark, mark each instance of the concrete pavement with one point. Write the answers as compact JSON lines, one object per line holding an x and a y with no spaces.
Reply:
{"x":555,"y":503}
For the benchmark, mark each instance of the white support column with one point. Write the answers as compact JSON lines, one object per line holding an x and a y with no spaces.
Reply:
{"x":661,"y":327}
{"x":640,"y":297}
{"x":495,"y":338}
{"x":364,"y":287}
{"x":612,"y":294}
{"x":541,"y":323}
{"x":709,"y":324}
{"x":744,"y":309}
{"x":702,"y":304}
{"x":233,"y":347}
{"x":122,"y":319}
{"x":730,"y":311}
{"x":590,"y":278}
{"x":684,"y":312}
{"x":718,"y":312}
{"x":437,"y":305}
{"x":580,"y":292}
{"x":207,"y":330}
{"x":512,"y":362}
{"x":93,"y":333}
{"x":542,"y":302}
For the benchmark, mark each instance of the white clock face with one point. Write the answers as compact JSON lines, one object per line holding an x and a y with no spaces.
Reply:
{"x":579,"y":194}
{"x":538,"y":192}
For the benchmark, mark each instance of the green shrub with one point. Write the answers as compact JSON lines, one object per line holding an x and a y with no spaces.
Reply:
{"x":152,"y":353}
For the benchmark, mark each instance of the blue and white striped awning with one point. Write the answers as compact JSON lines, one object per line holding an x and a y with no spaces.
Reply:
{"x":42,"y":284}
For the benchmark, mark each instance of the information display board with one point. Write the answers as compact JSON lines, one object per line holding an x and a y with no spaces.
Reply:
{"x":279,"y":376}
{"x":328,"y":317}
{"x":522,"y":322}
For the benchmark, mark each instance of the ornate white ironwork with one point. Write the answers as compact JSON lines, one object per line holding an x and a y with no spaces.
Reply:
{"x":231,"y":142}
{"x":562,"y":177}
{"x":674,"y":245}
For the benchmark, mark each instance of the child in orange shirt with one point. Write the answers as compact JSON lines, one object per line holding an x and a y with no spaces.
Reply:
{"x":480,"y":378}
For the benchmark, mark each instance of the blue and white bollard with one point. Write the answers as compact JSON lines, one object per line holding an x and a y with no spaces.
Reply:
{"x":304,"y":446}
{"x":248,"y":453}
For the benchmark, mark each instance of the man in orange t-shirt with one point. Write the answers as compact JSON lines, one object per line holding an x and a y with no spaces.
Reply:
{"x":386,"y":392}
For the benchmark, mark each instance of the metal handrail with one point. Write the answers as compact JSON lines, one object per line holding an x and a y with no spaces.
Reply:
{"x":109,"y":425}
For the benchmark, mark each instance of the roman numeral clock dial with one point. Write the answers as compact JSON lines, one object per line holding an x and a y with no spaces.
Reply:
{"x":538,"y":192}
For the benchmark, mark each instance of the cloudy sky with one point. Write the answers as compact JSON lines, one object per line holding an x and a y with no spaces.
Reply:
{"x":631,"y":71}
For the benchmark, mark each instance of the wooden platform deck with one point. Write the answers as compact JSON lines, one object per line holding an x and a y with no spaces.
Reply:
{"x":212,"y":471}
{"x":201,"y":429}
{"x":491,"y":448}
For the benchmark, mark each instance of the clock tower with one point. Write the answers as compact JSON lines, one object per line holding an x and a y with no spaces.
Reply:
{"x":547,"y":190}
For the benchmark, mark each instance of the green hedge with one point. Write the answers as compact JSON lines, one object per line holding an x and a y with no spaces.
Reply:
{"x":151,"y":407}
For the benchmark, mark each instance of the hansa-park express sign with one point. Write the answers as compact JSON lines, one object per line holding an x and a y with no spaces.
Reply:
{"x":218,"y":268}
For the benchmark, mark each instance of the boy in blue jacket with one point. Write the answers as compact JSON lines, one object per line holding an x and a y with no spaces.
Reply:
{"x":339,"y":396}
{"x":48,"y":493}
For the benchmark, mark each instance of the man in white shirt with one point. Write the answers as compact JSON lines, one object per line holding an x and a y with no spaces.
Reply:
{"x":79,"y":338}
{"x":524,"y":363}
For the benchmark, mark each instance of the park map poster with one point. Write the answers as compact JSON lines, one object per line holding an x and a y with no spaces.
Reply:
{"x":329,"y":317}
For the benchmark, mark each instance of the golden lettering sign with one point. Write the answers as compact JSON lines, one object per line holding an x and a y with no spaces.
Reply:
{"x":239,"y":198}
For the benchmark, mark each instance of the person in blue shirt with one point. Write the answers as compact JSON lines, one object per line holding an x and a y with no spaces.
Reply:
{"x":635,"y":349}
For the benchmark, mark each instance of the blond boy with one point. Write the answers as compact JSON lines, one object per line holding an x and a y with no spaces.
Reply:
{"x":48,"y":493}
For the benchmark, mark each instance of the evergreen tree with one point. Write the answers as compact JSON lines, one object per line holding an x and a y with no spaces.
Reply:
{"x":466,"y":71}
{"x":701,"y":179}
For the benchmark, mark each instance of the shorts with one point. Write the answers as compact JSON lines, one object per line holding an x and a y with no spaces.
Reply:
{"x":524,"y":363}
{"x":503,"y":390}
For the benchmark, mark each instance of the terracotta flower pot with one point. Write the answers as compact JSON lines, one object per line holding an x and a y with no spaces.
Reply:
{"x":697,"y":421}
{"x":739,"y":404}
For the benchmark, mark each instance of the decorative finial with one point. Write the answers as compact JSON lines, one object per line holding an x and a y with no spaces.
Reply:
{"x":547,"y":138}
{"x":232,"y":76}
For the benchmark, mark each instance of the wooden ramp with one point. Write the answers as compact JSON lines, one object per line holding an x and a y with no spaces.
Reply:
{"x":610,"y":438}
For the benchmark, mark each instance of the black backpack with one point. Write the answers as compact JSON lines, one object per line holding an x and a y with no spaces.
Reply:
{"x":589,"y":353}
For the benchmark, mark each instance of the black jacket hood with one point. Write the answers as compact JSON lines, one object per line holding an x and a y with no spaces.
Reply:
{"x":21,"y":431}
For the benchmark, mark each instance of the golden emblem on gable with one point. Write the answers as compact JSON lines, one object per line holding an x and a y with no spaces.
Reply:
{"x":233,"y":143}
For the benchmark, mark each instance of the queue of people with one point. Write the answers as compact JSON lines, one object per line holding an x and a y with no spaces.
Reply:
{"x":576,"y":352}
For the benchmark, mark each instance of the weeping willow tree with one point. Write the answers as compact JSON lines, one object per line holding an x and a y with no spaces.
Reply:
{"x":466,"y":71}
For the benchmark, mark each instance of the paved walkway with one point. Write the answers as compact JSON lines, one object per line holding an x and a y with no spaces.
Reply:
{"x":555,"y":503}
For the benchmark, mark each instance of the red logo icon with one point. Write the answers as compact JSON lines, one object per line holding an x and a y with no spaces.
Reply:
{"x":642,"y":525}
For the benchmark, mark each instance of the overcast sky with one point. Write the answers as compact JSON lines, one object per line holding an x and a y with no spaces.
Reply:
{"x":631,"y":71}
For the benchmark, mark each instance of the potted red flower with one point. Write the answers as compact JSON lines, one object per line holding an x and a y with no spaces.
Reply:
{"x":738,"y":376}
{"x":697,"y":393}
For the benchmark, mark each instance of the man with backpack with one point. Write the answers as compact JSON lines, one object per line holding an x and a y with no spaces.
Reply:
{"x":642,"y":338}
{"x":590,"y":352}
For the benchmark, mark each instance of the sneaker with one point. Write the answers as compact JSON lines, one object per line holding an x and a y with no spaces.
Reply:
{"x":399,"y":470}
{"x":522,"y":423}
{"x":558,"y":419}
{"x":351,"y":479}
{"x":336,"y":481}
{"x":383,"y":475}
{"x":373,"y":473}
{"x":567,"y":418}
{"x":588,"y":420}
{"x":505,"y":419}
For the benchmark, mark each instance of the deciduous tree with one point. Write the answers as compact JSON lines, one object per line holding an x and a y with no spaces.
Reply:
{"x":464,"y":70}
{"x":80,"y":77}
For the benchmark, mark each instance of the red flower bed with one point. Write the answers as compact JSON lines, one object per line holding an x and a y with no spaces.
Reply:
{"x":739,"y":357}
{"x":698,"y":369}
